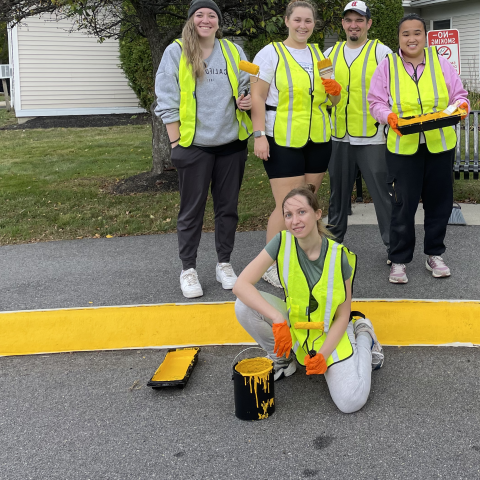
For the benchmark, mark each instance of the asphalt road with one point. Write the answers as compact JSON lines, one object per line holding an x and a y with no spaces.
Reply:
{"x":146,"y":269}
{"x":90,"y":416}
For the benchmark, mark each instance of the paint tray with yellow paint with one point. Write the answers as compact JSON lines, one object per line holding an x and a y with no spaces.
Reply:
{"x":176,"y":368}
{"x":430,"y":121}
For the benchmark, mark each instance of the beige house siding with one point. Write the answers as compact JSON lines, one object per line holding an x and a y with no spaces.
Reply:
{"x":58,"y":72}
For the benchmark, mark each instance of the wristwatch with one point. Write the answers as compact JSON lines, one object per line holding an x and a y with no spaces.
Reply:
{"x":258,"y":133}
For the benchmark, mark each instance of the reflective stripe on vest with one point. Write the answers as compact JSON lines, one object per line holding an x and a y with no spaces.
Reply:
{"x":244,"y":123}
{"x":331,"y":273}
{"x":188,"y":102}
{"x":352,"y":113}
{"x":329,"y":293}
{"x":301,"y":113}
{"x":428,"y":95}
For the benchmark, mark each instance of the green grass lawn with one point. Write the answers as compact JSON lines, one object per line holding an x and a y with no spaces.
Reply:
{"x":55,"y":183}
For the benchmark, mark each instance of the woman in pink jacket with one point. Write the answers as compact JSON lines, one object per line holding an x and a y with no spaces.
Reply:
{"x":414,"y":81}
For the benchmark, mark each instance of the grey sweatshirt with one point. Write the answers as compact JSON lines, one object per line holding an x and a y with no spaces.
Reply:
{"x":216,"y":121}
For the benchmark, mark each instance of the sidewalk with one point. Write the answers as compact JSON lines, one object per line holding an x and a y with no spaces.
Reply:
{"x":146,"y":269}
{"x":364,"y":214}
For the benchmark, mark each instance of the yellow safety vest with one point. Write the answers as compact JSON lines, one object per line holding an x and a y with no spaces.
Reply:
{"x":329,"y":293}
{"x":429,"y":94}
{"x":352,"y":114}
{"x":302,"y":111}
{"x":188,"y":102}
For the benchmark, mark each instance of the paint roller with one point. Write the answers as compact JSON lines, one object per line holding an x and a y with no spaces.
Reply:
{"x":325,"y":68}
{"x":250,"y":68}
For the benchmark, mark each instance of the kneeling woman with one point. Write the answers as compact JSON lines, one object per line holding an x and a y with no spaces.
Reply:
{"x":316,"y":274}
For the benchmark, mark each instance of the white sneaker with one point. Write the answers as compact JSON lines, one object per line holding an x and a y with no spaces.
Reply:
{"x":271,"y":277}
{"x":365,"y":325}
{"x":225,"y":275}
{"x":189,"y":284}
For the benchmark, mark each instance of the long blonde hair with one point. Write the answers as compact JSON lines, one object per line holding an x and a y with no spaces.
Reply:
{"x":192,"y":49}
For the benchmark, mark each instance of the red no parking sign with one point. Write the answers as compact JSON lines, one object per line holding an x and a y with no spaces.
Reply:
{"x":448,"y":45}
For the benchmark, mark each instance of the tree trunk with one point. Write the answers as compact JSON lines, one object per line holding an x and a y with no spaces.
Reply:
{"x":158,"y":42}
{"x":160,"y":144}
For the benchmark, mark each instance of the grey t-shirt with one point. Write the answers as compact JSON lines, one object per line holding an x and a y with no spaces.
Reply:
{"x":312,"y":268}
{"x":216,"y":120}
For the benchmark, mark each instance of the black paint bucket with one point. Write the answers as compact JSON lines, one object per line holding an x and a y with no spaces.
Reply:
{"x":253,"y":388}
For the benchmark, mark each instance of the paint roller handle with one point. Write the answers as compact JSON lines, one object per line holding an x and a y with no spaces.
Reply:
{"x":244,"y":350}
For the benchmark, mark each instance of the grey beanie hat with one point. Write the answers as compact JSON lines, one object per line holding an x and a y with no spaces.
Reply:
{"x":197,"y":4}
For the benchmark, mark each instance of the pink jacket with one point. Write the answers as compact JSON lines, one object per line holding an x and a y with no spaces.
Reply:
{"x":379,"y":94}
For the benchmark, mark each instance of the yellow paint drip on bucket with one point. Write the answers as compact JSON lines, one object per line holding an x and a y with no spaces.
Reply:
{"x":256,"y":371}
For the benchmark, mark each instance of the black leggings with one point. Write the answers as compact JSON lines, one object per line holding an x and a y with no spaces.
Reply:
{"x":411,"y":177}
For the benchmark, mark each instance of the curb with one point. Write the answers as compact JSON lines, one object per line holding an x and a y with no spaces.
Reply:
{"x":396,"y":322}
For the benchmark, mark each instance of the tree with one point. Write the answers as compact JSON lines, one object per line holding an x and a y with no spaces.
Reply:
{"x":160,"y":22}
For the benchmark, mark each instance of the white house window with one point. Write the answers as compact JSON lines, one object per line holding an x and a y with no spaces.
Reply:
{"x":441,"y":24}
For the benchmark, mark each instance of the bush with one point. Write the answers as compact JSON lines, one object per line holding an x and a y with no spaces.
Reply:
{"x":136,"y":62}
{"x":385,"y":15}
{"x":3,"y":44}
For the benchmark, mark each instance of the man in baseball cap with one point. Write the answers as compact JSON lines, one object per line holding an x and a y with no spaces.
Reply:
{"x":358,"y":141}
{"x":359,"y":7}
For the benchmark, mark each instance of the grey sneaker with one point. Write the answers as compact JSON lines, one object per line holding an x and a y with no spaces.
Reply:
{"x":398,"y":273}
{"x":365,"y":325}
{"x":284,"y":367}
{"x":271,"y":276}
{"x":436,"y":265}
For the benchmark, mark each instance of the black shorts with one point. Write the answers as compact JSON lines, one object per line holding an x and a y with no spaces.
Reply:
{"x":287,"y":162}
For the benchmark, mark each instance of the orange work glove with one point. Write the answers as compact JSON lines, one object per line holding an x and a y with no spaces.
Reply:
{"x":316,"y":365}
{"x":393,"y":122}
{"x":464,"y":106}
{"x":332,"y":87}
{"x":283,"y":339}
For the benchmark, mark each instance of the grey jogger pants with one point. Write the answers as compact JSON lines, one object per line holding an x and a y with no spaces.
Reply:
{"x":196,"y":170}
{"x":348,"y":381}
{"x":372,"y":163}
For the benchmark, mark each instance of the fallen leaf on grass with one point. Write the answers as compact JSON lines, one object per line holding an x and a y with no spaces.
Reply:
{"x":96,"y":235}
{"x":167,"y":220}
{"x":109,"y":236}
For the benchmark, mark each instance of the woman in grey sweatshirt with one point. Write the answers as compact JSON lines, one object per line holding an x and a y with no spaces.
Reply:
{"x":202,"y":97}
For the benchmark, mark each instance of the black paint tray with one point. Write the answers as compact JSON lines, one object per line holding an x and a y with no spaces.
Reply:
{"x":425,"y":126}
{"x":176,"y":368}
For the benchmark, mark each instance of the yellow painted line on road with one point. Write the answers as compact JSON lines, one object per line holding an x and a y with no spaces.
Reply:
{"x":396,"y":322}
